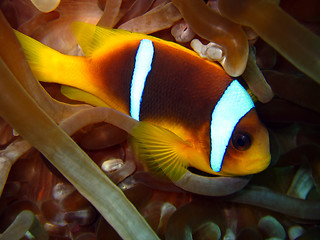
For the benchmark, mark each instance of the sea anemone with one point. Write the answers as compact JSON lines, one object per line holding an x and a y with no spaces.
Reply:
{"x":68,"y":171}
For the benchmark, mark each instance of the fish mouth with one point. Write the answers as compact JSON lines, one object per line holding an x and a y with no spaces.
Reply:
{"x":255,"y":165}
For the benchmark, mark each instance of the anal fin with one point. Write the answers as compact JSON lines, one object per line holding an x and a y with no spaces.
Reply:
{"x":83,"y":96}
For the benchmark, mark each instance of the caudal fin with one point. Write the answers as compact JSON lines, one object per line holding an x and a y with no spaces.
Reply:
{"x":47,"y":64}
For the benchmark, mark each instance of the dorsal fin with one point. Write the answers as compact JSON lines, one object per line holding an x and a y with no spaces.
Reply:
{"x":92,"y":38}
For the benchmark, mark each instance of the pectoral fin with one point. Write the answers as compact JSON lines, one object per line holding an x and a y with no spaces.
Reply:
{"x":161,"y":150}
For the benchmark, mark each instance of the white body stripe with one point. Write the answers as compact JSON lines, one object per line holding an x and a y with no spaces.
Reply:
{"x":141,"y":70}
{"x":232,"y":106}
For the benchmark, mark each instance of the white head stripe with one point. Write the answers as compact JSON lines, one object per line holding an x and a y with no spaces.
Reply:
{"x":141,"y":70}
{"x":232,"y":106}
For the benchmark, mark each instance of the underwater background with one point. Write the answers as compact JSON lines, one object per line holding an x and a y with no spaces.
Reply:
{"x":56,"y":188}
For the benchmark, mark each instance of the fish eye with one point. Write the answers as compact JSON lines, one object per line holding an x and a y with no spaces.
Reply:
{"x":241,"y":141}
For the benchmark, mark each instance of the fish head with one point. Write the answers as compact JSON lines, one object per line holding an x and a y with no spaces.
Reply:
{"x":248,"y":151}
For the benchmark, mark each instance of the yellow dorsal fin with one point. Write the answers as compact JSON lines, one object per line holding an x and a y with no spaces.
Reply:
{"x":92,"y":38}
{"x":161,"y":150}
{"x":82,"y":96}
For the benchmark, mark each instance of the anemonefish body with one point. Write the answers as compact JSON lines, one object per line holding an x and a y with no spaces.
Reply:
{"x":191,"y":113}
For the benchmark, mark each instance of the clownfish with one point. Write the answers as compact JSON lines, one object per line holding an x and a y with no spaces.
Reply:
{"x":191,"y":113}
